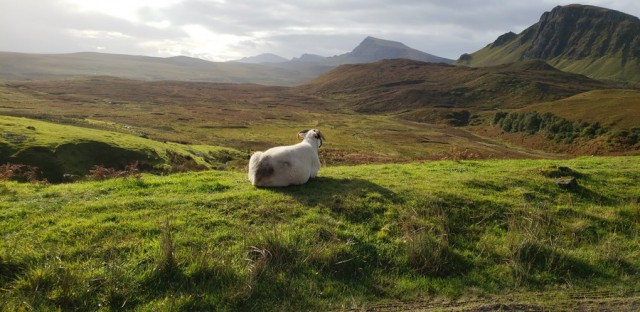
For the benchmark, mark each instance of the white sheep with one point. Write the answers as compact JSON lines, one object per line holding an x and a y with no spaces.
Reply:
{"x":287,"y":165}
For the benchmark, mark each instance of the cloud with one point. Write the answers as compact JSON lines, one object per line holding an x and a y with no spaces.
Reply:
{"x":222,"y":29}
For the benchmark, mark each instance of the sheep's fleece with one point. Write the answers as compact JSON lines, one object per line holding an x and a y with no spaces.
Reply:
{"x":287,"y":165}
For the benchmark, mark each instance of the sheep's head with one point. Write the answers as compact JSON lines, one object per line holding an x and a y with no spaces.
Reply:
{"x":312,"y":134}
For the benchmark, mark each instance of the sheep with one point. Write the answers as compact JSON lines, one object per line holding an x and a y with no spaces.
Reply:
{"x":287,"y":165}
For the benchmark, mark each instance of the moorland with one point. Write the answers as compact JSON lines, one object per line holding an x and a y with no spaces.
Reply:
{"x":406,"y":212}
{"x":442,"y":187}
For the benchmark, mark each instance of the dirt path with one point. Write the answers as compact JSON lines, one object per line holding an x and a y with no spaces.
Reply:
{"x":570,"y":301}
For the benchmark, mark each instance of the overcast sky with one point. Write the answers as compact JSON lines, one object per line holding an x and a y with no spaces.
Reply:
{"x":221,"y":30}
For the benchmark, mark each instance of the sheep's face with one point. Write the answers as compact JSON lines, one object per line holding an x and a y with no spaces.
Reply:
{"x":313,"y":134}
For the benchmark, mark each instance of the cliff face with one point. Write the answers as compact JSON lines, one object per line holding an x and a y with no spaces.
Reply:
{"x":583,"y":39}
{"x":583,"y":31}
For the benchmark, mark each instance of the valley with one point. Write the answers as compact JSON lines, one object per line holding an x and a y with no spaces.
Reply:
{"x":388,"y":111}
{"x":245,"y":118}
{"x":505,"y":181}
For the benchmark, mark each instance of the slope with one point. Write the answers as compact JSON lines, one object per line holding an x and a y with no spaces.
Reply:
{"x":617,"y":109}
{"x":245,"y":117}
{"x":404,"y":85}
{"x":354,"y":237}
{"x":62,"y":150}
{"x":594,"y":41}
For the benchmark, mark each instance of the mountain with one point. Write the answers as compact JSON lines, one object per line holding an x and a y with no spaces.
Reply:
{"x":369,"y":50}
{"x":307,"y":57}
{"x":266,"y":69}
{"x":373,"y":49}
{"x":594,"y":41}
{"x":20,"y":66}
{"x":262,"y":58}
{"x":422,"y":89}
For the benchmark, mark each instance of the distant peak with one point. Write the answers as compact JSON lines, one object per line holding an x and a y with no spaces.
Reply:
{"x":263,"y":58}
{"x":377,"y":41}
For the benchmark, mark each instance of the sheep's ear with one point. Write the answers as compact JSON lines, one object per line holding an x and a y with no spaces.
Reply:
{"x":320,"y":137}
{"x":302,"y":133}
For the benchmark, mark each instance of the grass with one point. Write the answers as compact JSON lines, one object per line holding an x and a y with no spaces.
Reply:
{"x":615,"y":64}
{"x":243,"y":117}
{"x":59,"y":150}
{"x":354,"y":236}
{"x":618,"y":109}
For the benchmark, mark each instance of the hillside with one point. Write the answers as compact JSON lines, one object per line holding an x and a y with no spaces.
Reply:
{"x":244,"y":117}
{"x":374,"y":49}
{"x":64,"y":152}
{"x":404,"y":85}
{"x":496,"y":235}
{"x":618,"y":109}
{"x":20,"y":66}
{"x":589,"y":40}
{"x":592,"y":123}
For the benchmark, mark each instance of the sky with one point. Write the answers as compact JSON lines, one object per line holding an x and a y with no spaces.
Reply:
{"x":223,"y":30}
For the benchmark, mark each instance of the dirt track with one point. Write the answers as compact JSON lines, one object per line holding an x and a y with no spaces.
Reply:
{"x":572,"y":301}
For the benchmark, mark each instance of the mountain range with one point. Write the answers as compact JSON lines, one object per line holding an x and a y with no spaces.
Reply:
{"x":369,"y":50}
{"x":20,"y":66}
{"x":597,"y":42}
{"x":584,"y":39}
{"x":268,"y":69}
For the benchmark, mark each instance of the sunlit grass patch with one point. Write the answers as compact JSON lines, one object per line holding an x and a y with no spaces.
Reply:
{"x":209,"y":240}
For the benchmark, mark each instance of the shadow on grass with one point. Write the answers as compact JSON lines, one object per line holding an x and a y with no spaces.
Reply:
{"x":591,"y":196}
{"x":320,"y":190}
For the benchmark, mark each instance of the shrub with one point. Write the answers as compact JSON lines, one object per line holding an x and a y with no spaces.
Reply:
{"x":100,"y":173}
{"x":554,"y":127}
{"x":20,"y":173}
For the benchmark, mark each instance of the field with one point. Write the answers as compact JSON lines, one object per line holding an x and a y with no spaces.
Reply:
{"x":245,"y":118}
{"x":404,"y":215}
{"x":435,"y":234}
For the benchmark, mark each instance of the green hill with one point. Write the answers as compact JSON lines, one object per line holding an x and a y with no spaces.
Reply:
{"x":592,"y":123}
{"x":589,"y":40}
{"x":63,"y":150}
{"x":422,"y":89}
{"x":618,"y":109}
{"x":498,"y":234}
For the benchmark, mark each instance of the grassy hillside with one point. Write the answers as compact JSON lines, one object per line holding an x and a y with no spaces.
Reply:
{"x":420,"y":88}
{"x":592,"y":123}
{"x":353,"y":237}
{"x":618,"y":109}
{"x":583,"y":39}
{"x":59,"y":150}
{"x":243,"y":117}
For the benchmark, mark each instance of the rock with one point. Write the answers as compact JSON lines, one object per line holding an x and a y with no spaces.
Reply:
{"x":566,"y":182}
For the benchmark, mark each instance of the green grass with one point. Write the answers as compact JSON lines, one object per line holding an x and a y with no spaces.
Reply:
{"x":354,"y":236}
{"x":63,"y":149}
{"x":618,"y":109}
